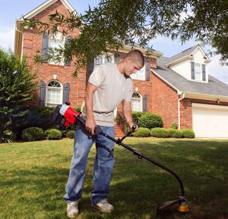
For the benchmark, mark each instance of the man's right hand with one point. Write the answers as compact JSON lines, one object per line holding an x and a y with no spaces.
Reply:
{"x":90,"y":125}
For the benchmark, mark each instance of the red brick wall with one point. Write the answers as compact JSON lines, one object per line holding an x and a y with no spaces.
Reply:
{"x":32,"y":42}
{"x":164,"y":101}
{"x":186,"y":113}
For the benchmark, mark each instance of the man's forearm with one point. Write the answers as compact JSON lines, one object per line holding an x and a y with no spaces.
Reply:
{"x":128,"y":113}
{"x":90,"y":122}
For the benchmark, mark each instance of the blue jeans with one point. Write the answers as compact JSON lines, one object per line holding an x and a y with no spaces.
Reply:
{"x":103,"y":165}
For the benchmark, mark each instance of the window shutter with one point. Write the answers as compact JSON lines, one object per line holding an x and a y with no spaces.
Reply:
{"x":42,"y":96}
{"x":98,"y":60}
{"x":45,"y":45}
{"x":204,"y":72}
{"x":116,"y":58}
{"x":66,"y":91}
{"x":67,"y":60}
{"x":192,"y":71}
{"x":145,"y":103}
{"x":91,"y":66}
{"x":147,"y":71}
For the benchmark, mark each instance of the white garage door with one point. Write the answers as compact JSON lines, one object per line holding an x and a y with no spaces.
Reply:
{"x":210,"y":121}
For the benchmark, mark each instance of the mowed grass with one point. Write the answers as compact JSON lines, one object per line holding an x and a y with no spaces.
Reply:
{"x":33,"y":177}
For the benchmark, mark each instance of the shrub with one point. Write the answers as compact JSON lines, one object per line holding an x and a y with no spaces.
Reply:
{"x":17,"y":88}
{"x":142,"y":132}
{"x":149,"y":120}
{"x":120,"y":120}
{"x":188,"y":133}
{"x":78,"y":109}
{"x":171,"y":132}
{"x":33,"y":134}
{"x":127,"y":129}
{"x":70,"y":134}
{"x":174,"y":125}
{"x":136,"y":116}
{"x":160,"y":132}
{"x":177,"y":134}
{"x":53,"y":134}
{"x":35,"y":116}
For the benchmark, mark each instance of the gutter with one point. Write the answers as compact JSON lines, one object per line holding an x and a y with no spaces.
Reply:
{"x":178,"y":108}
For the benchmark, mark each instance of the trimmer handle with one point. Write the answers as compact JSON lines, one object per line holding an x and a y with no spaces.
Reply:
{"x":133,"y":128}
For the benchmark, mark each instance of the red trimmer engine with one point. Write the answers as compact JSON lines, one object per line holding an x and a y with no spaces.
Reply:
{"x":65,"y":115}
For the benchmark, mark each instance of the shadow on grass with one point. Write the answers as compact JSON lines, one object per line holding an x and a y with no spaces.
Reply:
{"x":136,"y":188}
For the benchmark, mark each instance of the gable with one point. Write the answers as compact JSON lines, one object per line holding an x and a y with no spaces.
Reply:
{"x":45,"y":5}
{"x":199,"y":56}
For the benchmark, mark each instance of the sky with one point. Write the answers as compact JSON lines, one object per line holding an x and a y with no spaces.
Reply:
{"x":11,"y":10}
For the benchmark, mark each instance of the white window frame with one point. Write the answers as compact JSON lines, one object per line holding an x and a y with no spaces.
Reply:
{"x":59,"y":40}
{"x":140,"y":103}
{"x":105,"y":57}
{"x":140,"y":74}
{"x":52,"y":104}
{"x":198,"y":71}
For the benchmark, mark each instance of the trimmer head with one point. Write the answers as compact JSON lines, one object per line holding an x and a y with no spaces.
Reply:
{"x":183,"y":207}
{"x":180,"y":202}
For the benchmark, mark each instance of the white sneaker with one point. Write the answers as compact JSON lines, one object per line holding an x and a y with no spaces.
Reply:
{"x":72,"y":209}
{"x":104,"y":206}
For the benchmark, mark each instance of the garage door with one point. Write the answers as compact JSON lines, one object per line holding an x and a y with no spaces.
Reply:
{"x":210,"y":121}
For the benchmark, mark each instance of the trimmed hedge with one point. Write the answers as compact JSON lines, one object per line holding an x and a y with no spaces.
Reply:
{"x":171,"y":132}
{"x":142,"y":132}
{"x":33,"y":134}
{"x":177,"y":134}
{"x":160,"y":132}
{"x":188,"y":133}
{"x":53,"y":134}
{"x":174,"y":133}
{"x":149,"y":120}
{"x":70,"y":134}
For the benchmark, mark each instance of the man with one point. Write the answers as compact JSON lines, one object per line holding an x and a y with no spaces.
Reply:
{"x":108,"y":86}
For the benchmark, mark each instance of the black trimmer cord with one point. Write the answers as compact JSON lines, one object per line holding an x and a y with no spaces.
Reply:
{"x":140,"y":156}
{"x":181,"y":200}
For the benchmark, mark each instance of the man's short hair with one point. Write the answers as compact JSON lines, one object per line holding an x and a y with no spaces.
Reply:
{"x":137,"y":55}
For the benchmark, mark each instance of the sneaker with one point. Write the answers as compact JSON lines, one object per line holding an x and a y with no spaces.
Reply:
{"x":72,"y":209}
{"x":104,"y":206}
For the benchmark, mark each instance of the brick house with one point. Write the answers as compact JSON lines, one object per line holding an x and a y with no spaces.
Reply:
{"x":183,"y":92}
{"x":177,"y":88}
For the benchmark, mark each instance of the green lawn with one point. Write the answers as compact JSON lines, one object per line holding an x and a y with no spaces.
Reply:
{"x":33,"y":177}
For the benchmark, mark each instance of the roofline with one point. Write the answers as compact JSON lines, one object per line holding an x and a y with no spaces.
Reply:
{"x":45,"y":5}
{"x":212,"y":97}
{"x":154,"y":53}
{"x":202,"y":52}
{"x":178,"y":91}
{"x":187,"y":57}
{"x":181,"y":59}
{"x":194,"y":95}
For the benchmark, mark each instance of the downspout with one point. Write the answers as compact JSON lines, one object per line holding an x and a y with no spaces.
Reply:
{"x":178,"y":106}
{"x":17,"y":41}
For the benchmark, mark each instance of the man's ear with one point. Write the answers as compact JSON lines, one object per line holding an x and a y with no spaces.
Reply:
{"x":128,"y":59}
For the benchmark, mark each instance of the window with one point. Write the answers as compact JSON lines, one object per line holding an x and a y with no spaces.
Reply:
{"x":136,"y":102}
{"x":54,"y":94}
{"x":101,"y":59}
{"x":140,"y":74}
{"x":198,"y":71}
{"x":55,"y":42}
